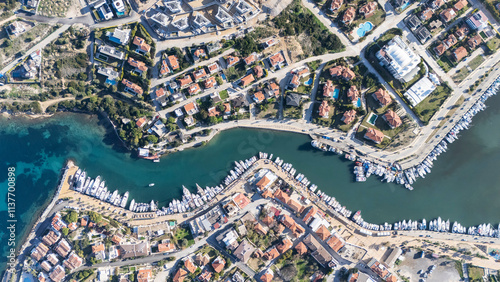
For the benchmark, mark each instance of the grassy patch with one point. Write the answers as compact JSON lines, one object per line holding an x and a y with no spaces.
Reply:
{"x":476,"y":62}
{"x":493,"y":44}
{"x":268,"y":109}
{"x":314,"y":65}
{"x":235,"y":72}
{"x":475,"y":273}
{"x":53,"y":8}
{"x":458,"y":267}
{"x":184,"y":233}
{"x":445,"y":64}
{"x":292,"y":112}
{"x":223,"y":94}
{"x":461,"y":75}
{"x":430,"y":105}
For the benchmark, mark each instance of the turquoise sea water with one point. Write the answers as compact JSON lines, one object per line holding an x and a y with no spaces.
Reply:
{"x":464,"y":184}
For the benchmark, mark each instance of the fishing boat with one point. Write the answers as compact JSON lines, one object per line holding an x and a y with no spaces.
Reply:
{"x":151,"y":184}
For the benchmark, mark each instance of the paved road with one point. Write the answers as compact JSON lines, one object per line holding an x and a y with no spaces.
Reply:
{"x":39,"y":45}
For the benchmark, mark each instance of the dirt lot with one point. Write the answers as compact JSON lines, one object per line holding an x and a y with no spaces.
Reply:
{"x":413,"y":267}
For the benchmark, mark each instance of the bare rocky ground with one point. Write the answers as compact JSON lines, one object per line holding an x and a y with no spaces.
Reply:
{"x":413,"y":267}
{"x":274,"y":7}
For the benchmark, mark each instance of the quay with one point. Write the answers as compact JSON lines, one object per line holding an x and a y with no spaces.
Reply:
{"x":350,"y":231}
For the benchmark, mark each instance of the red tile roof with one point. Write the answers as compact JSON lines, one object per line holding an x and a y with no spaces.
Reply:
{"x":141,"y":43}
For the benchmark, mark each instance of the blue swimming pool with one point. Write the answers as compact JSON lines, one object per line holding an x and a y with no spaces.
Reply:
{"x":404,"y":6}
{"x":336,"y":93}
{"x":364,"y":28}
{"x":372,"y":119}
{"x":358,"y":103}
{"x":223,"y":76}
{"x":111,"y":81}
{"x":309,"y":82}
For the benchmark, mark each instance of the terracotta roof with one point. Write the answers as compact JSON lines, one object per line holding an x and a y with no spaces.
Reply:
{"x":301,"y":248}
{"x":199,"y":52}
{"x":440,"y":49}
{"x":189,"y":107}
{"x":200,"y":73}
{"x":448,"y":14}
{"x":375,"y":135}
{"x":213,"y":67}
{"x":268,"y":220}
{"x":134,"y":87}
{"x":271,"y":254}
{"x":353,"y":93}
{"x":194,"y":89}
{"x":348,"y":74}
{"x":189,"y":265}
{"x":205,"y":276}
{"x":282,"y":196}
{"x":73,"y":261}
{"x":264,"y":180}
{"x":349,"y":116}
{"x":180,"y":275}
{"x":246,"y":80}
{"x":450,"y":40}
{"x":459,"y":53}
{"x":210,"y":82}
{"x":280,"y":229}
{"x":285,"y":245}
{"x":231,"y":60}
{"x":323,"y":232}
{"x":324,"y":109}
{"x":462,"y":32}
{"x":267,"y":193}
{"x":201,"y":259}
{"x":258,"y":253}
{"x":336,"y":71}
{"x":287,"y":221}
{"x":296,"y":206}
{"x":218,"y":264}
{"x":276,"y":59}
{"x":335,"y":242}
{"x":437,"y":3}
{"x":185,"y":80}
{"x":98,"y":248}
{"x":143,"y":275}
{"x":260,"y":229}
{"x":165,"y":247}
{"x":368,"y":9}
{"x":173,"y":62}
{"x":474,"y":41}
{"x":160,"y":92}
{"x":383,"y":96}
{"x":259,"y":96}
{"x":83,"y":222}
{"x":310,"y":214}
{"x":250,"y":59}
{"x":267,"y":276}
{"x":63,"y":248}
{"x":392,"y":278}
{"x":328,"y":89}
{"x":275,"y":88}
{"x":141,"y":43}
{"x":349,"y":15}
{"x":393,"y":119}
{"x":336,"y":4}
{"x":240,"y":199}
{"x":137,"y":64}
{"x":51,"y":238}
{"x":426,"y":14}
{"x":303,"y":72}
{"x":258,"y":71}
{"x":460,"y":5}
{"x":140,"y":122}
{"x":295,"y":80}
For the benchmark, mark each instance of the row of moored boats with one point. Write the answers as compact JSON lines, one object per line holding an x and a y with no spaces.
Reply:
{"x":97,"y":188}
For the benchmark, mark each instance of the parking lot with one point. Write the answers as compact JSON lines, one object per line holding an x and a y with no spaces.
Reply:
{"x":415,"y":268}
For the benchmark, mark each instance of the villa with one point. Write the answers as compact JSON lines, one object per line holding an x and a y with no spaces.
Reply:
{"x":161,"y":19}
{"x":210,"y":82}
{"x":191,"y":108}
{"x":349,"y":116}
{"x":164,"y":69}
{"x":349,"y":15}
{"x":213,"y":68}
{"x":374,"y":135}
{"x":231,"y":61}
{"x":111,"y":52}
{"x":328,"y":89}
{"x":194,"y":89}
{"x":423,"y":34}
{"x":448,"y":14}
{"x":344,"y":72}
{"x":335,"y":5}
{"x":460,"y":5}
{"x":272,"y":90}
{"x":186,"y":80}
{"x":450,"y":41}
{"x":474,"y":41}
{"x":199,"y":74}
{"x":460,"y":53}
{"x":267,"y":276}
{"x":368,"y":9}
{"x":382,"y":96}
{"x":139,"y":66}
{"x":224,"y":18}
{"x":57,"y":273}
{"x":258,"y":71}
{"x":392,"y":119}
{"x":462,"y":32}
{"x":142,"y":46}
{"x":437,"y":3}
{"x":276,"y":60}
{"x":247,"y":80}
{"x":258,"y":97}
{"x":173,"y":62}
{"x":132,"y":87}
{"x":271,"y":42}
{"x":294,"y":81}
{"x":426,"y":14}
{"x":421,"y":89}
{"x":119,"y":36}
{"x":218,"y":264}
{"x":181,"y":23}
{"x":173,"y":6}
{"x":119,"y":7}
{"x":440,"y":49}
{"x":250,"y":59}
{"x":399,"y":59}
{"x":324,"y":109}
{"x":293,"y":100}
{"x":199,"y":54}
{"x":413,"y":22}
{"x":200,"y":21}
{"x":353,"y":94}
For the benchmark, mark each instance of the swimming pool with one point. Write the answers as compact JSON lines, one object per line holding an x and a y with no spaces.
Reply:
{"x":404,"y":6}
{"x":309,"y":82}
{"x":364,"y":28}
{"x":358,"y":103}
{"x":336,"y":93}
{"x":372,"y":119}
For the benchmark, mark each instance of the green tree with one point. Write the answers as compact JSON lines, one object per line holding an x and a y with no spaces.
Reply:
{"x":152,"y":139}
{"x":65,"y":231}
{"x":70,"y":217}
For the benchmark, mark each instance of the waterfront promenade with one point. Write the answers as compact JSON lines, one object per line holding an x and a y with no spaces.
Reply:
{"x":435,"y":242}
